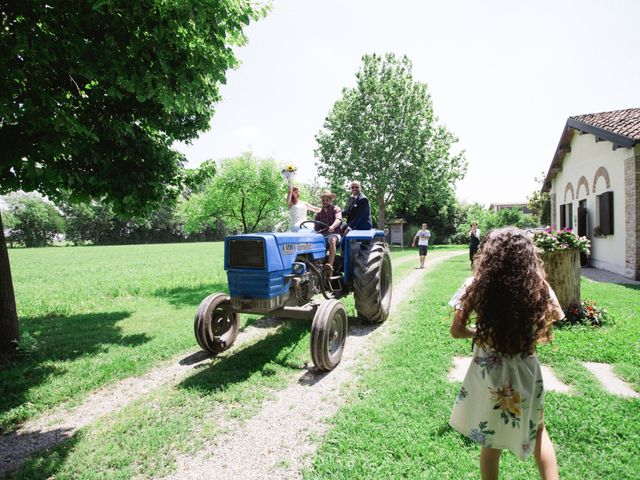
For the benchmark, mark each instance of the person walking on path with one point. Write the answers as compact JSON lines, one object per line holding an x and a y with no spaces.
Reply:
{"x":474,"y":241}
{"x":422,"y":236}
{"x":358,"y":210}
{"x":501,"y":402}
{"x":298,"y":208}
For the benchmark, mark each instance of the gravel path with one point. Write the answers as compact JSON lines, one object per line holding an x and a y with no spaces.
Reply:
{"x":278,"y":442}
{"x":61,"y":423}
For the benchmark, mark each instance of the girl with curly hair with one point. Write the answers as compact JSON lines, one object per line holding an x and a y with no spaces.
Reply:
{"x":500,"y":404}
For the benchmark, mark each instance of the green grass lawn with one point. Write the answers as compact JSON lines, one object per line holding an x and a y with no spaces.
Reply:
{"x":143,"y":438}
{"x":394,"y":426}
{"x":396,"y":423}
{"x":90,"y":316}
{"x":93,"y":315}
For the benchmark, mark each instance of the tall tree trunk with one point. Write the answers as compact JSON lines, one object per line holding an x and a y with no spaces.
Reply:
{"x":381,"y":218}
{"x":9,"y":334}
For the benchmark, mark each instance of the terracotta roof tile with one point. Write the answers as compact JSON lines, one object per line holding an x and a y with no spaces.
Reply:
{"x":621,"y":122}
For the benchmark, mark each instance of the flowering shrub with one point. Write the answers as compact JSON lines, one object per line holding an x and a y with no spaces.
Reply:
{"x":586,"y":313}
{"x":555,"y":240}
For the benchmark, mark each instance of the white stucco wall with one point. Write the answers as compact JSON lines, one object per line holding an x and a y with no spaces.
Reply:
{"x":585,"y":158}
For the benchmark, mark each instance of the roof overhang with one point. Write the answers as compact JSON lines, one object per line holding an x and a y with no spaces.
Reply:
{"x":564,"y":146}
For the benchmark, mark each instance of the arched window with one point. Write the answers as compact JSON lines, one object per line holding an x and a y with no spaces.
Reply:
{"x":568,"y":189}
{"x":583,"y":182}
{"x":601,"y":172}
{"x":566,"y":210}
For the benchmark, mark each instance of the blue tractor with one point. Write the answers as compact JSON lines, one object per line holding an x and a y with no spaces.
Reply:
{"x":282,"y":275}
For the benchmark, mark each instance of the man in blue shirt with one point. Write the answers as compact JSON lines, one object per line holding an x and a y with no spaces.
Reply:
{"x":358,"y":211}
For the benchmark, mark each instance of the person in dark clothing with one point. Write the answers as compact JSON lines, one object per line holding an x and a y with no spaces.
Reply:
{"x":474,"y":241}
{"x":331,"y":216}
{"x":358,"y":210}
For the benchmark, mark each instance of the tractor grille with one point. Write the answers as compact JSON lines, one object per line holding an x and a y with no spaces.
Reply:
{"x":246,"y":253}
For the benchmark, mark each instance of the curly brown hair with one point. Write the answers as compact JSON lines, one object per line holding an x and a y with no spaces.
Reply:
{"x":509,"y":294}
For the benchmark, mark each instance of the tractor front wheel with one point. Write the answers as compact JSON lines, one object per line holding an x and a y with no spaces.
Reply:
{"x":328,"y":334}
{"x":372,"y":281}
{"x":216,"y":324}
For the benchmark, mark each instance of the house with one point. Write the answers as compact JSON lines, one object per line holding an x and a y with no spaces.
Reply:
{"x":522,"y":206}
{"x":594,"y":186}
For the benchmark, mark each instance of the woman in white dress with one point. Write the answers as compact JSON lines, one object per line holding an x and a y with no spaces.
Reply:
{"x":298,"y":208}
{"x":501,"y":402}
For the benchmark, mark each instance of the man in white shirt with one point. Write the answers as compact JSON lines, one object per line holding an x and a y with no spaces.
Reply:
{"x":423,"y":237}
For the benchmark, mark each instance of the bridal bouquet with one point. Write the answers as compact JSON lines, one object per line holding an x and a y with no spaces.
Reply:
{"x":289,"y":171}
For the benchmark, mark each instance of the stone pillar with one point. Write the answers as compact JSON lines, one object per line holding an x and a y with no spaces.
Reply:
{"x":632,"y":214}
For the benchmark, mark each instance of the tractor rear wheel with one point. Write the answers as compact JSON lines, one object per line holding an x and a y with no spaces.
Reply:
{"x":328,"y":334}
{"x":372,"y":281}
{"x":216,"y":324}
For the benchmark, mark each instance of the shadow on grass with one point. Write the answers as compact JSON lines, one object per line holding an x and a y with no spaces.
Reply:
{"x":279,"y":348}
{"x":189,"y":296}
{"x":58,"y":339}
{"x":20,"y":450}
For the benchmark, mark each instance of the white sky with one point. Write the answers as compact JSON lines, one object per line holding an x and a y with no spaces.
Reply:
{"x":504,"y":76}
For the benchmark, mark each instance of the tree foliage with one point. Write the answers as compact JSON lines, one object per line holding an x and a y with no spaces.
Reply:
{"x":196,"y":179}
{"x":384,"y":133}
{"x":488,"y":220}
{"x":247,"y":194}
{"x":95,"y":92}
{"x":35,"y":222}
{"x":540,"y":203}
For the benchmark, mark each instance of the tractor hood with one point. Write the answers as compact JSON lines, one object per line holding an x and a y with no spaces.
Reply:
{"x":271,"y":251}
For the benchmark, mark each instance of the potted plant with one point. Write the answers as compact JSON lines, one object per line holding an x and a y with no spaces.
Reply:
{"x":560,"y":251}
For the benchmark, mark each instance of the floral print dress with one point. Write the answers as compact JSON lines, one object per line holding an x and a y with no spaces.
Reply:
{"x":501,"y":401}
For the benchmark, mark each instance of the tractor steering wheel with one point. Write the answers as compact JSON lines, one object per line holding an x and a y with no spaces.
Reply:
{"x":316,"y":222}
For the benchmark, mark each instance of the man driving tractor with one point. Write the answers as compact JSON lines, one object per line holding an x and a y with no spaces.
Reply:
{"x":330,"y":215}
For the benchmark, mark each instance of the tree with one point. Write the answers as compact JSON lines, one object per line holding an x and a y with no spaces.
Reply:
{"x":195,"y":179}
{"x":540,"y":203}
{"x":384,"y":133}
{"x":95,"y":92}
{"x":488,"y":220}
{"x":88,"y":221}
{"x":508,"y":217}
{"x":35,"y":221}
{"x":248,"y":194}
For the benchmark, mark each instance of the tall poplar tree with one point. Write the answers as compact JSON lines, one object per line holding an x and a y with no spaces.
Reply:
{"x":385,"y":134}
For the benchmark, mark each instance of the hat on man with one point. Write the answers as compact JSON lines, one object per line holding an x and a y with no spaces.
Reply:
{"x":327,"y":193}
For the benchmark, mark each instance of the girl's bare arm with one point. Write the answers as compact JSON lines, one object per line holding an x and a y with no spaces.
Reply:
{"x":289,"y":194}
{"x":555,"y":309}
{"x":459,"y":328}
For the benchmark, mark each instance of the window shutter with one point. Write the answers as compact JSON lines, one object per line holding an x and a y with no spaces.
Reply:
{"x":610,"y":203}
{"x":570,"y":215}
{"x":563,"y":216}
{"x":606,"y":213}
{"x":582,"y":221}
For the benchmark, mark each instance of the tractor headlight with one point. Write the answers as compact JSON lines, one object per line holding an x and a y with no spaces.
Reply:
{"x":298,"y":268}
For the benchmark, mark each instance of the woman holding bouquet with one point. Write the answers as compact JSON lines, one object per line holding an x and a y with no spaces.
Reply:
{"x":297,"y":208}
